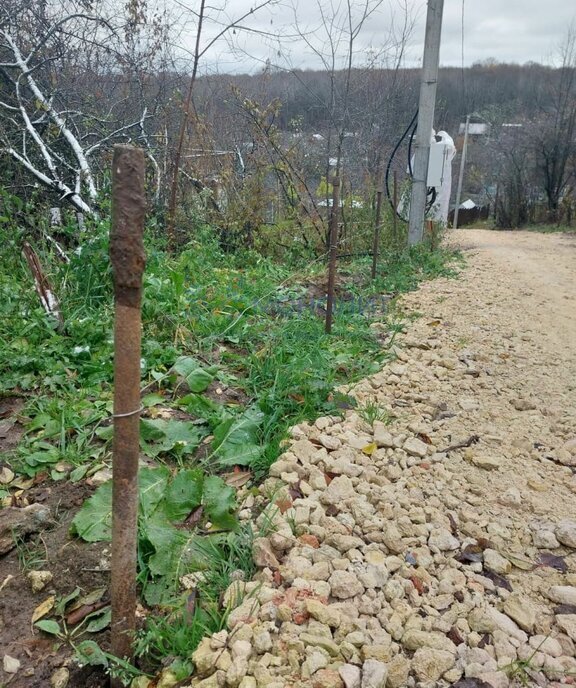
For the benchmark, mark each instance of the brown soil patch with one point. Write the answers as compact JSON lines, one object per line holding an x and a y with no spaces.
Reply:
{"x":72,"y":563}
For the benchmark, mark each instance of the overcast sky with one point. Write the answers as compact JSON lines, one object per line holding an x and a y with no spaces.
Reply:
{"x":506,"y":30}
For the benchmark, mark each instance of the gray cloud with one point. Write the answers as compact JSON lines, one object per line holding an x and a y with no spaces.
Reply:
{"x":506,"y":30}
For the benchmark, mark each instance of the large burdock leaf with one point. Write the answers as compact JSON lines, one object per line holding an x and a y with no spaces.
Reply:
{"x":219,"y":502}
{"x":236,"y":440}
{"x":159,"y":436}
{"x":93,"y":522}
{"x":152,"y":486}
{"x":196,"y":375}
{"x":170,"y":510}
{"x":184,"y":494}
{"x":175,"y":554}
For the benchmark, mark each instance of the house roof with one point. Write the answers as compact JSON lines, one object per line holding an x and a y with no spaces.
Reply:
{"x":474,"y":128}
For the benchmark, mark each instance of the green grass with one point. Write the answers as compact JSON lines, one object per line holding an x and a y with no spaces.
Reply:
{"x":32,"y":554}
{"x":174,"y":633}
{"x":370,"y":412}
{"x":240,"y":320}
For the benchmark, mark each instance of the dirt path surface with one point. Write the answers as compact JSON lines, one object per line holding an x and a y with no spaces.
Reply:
{"x":400,"y":557}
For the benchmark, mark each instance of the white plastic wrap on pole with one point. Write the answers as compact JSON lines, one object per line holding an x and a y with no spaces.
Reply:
{"x":425,"y":119}
{"x":461,"y":173}
{"x":442,"y":153}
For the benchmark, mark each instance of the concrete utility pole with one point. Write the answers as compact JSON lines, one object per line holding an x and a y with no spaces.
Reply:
{"x":461,"y":174}
{"x":425,"y":120}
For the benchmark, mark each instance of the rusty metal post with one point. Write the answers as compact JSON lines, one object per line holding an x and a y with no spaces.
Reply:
{"x":128,"y":261}
{"x":333,"y":252}
{"x":395,"y":212}
{"x":377,"y":225}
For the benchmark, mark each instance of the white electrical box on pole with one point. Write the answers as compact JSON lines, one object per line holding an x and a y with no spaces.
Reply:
{"x":426,"y":108}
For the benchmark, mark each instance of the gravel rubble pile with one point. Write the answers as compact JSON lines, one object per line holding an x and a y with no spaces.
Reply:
{"x":428,"y":538}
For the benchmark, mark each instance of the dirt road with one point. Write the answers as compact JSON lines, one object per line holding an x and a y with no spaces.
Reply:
{"x":538,"y":273}
{"x":429,"y":538}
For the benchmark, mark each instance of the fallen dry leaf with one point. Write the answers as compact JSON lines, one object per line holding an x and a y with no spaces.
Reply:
{"x":5,"y":582}
{"x":6,"y":475}
{"x":43,"y":608}
{"x":454,"y":635}
{"x":283,"y":505}
{"x":295,"y":492}
{"x":194,"y":517}
{"x":237,"y":478}
{"x":471,"y":554}
{"x":191,"y":601}
{"x":82,"y":612}
{"x":329,"y":477}
{"x":22,"y":483}
{"x":553,"y":561}
{"x":485,"y":640}
{"x":498,"y":580}
{"x":484,"y":543}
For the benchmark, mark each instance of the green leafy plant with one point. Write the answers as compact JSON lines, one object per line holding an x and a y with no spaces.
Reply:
{"x":171,"y":510}
{"x":237,"y":440}
{"x":233,"y":354}
{"x":178,"y":631}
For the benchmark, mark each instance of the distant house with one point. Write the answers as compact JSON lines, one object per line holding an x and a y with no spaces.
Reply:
{"x":475,"y":128}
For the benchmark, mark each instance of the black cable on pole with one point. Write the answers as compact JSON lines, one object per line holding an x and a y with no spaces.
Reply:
{"x":431,"y":191}
{"x":391,"y":159}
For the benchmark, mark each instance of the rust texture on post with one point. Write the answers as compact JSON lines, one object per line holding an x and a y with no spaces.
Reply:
{"x":377,"y":224}
{"x":128,"y":209}
{"x":333,"y":251}
{"x":128,"y":261}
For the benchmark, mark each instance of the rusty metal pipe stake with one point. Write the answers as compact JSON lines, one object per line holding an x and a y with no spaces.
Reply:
{"x":395,"y":213}
{"x":333,"y":252}
{"x":128,"y":261}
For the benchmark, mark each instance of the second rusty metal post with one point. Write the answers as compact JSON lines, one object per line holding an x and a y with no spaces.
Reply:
{"x":395,"y":211}
{"x":377,"y":225}
{"x":333,"y":253}
{"x":128,"y":261}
